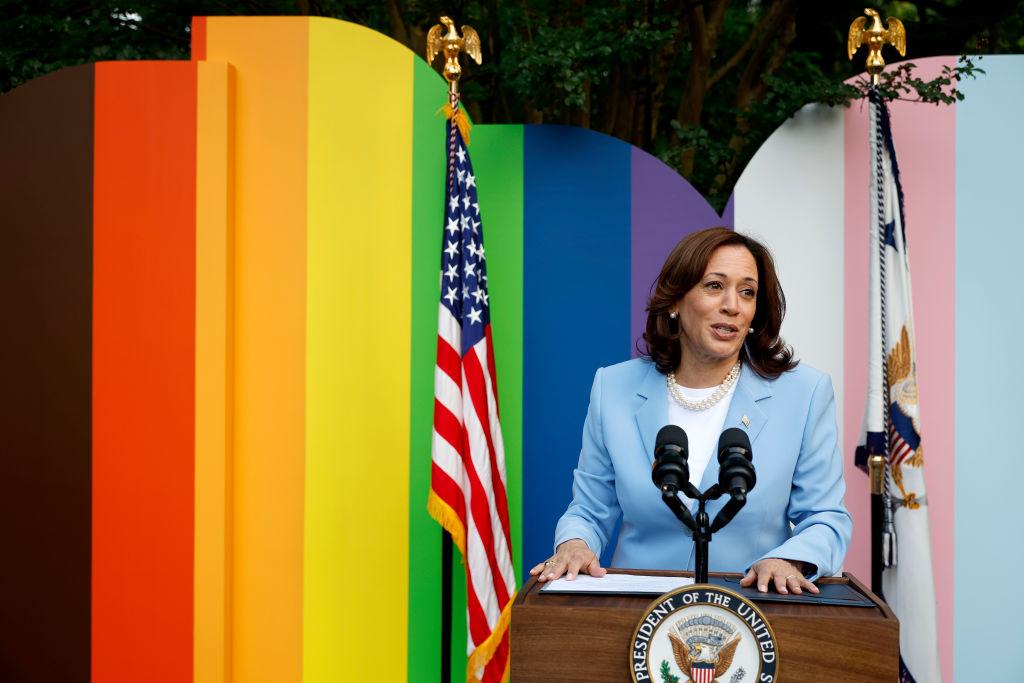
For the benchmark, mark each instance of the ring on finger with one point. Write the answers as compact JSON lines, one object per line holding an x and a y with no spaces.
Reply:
{"x":791,"y":576}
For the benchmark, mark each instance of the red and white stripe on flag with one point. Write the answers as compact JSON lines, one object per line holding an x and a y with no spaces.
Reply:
{"x":468,"y":483}
{"x":702,"y":673}
{"x":899,"y":450}
{"x":468,"y":491}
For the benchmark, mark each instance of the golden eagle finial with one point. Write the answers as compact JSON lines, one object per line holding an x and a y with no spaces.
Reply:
{"x":875,"y":37}
{"x":451,"y":44}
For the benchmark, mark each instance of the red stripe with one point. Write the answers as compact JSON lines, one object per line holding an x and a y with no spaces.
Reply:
{"x":899,"y":449}
{"x":448,"y":360}
{"x":143,"y":352}
{"x":198,"y":39}
{"x":447,"y":426}
{"x":448,"y":491}
{"x":482,"y":517}
{"x":479,"y":395}
{"x":479,"y":630}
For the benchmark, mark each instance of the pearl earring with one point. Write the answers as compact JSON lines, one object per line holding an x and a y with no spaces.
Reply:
{"x":751,"y":330}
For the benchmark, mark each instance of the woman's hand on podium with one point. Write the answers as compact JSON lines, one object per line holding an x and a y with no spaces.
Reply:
{"x":786,"y":575}
{"x":570,"y":558}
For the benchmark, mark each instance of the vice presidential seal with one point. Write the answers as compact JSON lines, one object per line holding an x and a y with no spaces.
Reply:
{"x":703,"y":634}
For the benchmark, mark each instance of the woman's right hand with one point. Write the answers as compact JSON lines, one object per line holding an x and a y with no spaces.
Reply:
{"x":570,"y":558}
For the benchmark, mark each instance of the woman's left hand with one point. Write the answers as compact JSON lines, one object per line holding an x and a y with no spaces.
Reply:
{"x":785,"y":575}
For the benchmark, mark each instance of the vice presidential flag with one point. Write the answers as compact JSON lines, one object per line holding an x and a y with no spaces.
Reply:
{"x":468,"y":483}
{"x":892,"y":423}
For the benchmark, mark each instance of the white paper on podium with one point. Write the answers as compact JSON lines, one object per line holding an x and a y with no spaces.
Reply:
{"x":621,"y":584}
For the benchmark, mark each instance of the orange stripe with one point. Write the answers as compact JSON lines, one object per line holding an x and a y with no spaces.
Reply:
{"x":143,"y":383}
{"x":214,"y":370}
{"x":271,"y":57}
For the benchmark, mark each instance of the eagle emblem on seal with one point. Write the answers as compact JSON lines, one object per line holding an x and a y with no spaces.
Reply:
{"x":704,"y":647}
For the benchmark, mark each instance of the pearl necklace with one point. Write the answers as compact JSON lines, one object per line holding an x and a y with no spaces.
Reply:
{"x":717,"y":395}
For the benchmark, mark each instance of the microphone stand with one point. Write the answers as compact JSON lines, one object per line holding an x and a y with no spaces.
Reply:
{"x":701,"y":527}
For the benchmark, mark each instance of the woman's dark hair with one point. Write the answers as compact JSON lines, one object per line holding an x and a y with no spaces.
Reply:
{"x":765,"y":352}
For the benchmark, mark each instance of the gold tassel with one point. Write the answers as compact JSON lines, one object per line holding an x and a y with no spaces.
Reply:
{"x":462,"y":121}
{"x":446,"y":517}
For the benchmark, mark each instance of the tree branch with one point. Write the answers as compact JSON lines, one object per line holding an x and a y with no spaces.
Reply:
{"x":738,"y":56}
{"x":704,"y":32}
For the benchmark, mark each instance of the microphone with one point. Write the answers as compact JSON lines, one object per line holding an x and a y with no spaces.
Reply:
{"x":670,"y":470}
{"x":735,"y":460}
{"x":735,"y":473}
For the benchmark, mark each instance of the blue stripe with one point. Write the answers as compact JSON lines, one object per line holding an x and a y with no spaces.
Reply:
{"x":989,"y":325}
{"x":575,"y":309}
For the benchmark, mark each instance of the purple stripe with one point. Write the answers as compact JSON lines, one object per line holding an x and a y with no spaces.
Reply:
{"x":665,"y":208}
{"x":729,"y":215}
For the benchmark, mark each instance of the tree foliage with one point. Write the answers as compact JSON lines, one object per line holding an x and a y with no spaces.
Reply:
{"x":699,"y":83}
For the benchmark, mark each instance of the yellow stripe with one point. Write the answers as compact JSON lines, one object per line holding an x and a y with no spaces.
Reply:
{"x":358,"y":329}
{"x":211,"y":660}
{"x":270,"y":55}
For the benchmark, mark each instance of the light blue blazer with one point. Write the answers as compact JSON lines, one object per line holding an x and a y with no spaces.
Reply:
{"x":795,"y":511}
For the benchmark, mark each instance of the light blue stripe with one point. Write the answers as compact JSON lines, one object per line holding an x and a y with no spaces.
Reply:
{"x":988,"y":630}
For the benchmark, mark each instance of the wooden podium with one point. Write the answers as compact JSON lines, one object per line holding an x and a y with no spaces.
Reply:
{"x":586,"y":637}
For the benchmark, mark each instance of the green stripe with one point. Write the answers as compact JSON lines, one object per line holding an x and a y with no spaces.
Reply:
{"x":497,"y":155}
{"x":424,"y":637}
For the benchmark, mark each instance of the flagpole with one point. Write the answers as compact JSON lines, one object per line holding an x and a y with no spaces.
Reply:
{"x":446,"y":606}
{"x":878,"y":470}
{"x":450,"y":45}
{"x":875,"y":37}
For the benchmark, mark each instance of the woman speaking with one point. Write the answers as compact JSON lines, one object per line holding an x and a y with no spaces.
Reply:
{"x":713,"y":360}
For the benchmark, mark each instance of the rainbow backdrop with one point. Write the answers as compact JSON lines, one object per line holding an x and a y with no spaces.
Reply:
{"x":221,"y":278}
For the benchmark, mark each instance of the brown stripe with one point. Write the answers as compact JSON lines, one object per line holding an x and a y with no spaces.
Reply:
{"x":46,"y":143}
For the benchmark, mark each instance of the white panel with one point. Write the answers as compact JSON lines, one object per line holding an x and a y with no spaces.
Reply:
{"x":791,"y":196}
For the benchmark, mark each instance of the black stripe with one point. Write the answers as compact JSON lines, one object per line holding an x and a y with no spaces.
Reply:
{"x":46,"y":143}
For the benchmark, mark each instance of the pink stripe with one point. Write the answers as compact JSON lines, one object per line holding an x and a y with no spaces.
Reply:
{"x":925,"y":138}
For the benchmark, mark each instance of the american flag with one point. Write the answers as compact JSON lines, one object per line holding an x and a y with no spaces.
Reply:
{"x":467,"y":486}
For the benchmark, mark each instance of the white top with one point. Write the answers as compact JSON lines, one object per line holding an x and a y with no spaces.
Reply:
{"x":702,"y":427}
